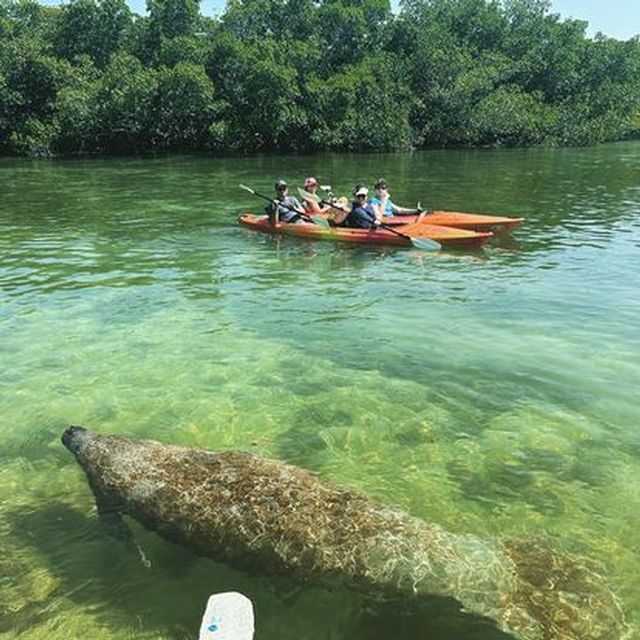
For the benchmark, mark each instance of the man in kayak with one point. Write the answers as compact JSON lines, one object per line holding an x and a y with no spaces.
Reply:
{"x":311,"y":205}
{"x":284,"y":208}
{"x":383,"y":205}
{"x":362,"y":214}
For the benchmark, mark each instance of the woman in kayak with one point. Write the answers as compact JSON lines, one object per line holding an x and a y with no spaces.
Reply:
{"x":284,"y":208}
{"x":383,"y":205}
{"x":362,"y":214}
{"x":312,"y":206}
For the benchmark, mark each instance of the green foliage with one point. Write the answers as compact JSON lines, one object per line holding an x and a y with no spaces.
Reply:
{"x":184,"y":107}
{"x":75,"y":108}
{"x":173,"y":51}
{"x":352,"y":30}
{"x":97,"y":28}
{"x":510,"y":116}
{"x":271,"y":92}
{"x":33,"y":138}
{"x":123,"y":105}
{"x":29,"y":82}
{"x":89,"y":76}
{"x":366,"y":107}
{"x":261,"y":93}
{"x":171,"y":18}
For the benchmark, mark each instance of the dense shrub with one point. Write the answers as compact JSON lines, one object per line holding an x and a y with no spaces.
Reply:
{"x":90,"y":76}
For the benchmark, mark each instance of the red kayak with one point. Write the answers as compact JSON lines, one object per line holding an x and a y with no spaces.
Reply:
{"x":446,"y":236}
{"x":471,"y":221}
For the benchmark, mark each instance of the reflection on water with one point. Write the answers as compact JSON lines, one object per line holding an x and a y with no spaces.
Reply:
{"x":494,"y":392}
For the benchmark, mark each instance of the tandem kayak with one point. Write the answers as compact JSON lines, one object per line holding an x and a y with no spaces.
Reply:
{"x":446,"y":236}
{"x":471,"y":221}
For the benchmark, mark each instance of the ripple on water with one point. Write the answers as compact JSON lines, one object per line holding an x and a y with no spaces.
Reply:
{"x":492,"y":392}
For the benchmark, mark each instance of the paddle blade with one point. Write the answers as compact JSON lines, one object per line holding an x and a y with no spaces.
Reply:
{"x":306,"y":195}
{"x":321,"y":222}
{"x":249,"y":189}
{"x":229,"y":616}
{"x":425,"y":244}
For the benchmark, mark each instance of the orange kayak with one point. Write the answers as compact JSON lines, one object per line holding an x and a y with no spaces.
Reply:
{"x":446,"y":236}
{"x":471,"y":221}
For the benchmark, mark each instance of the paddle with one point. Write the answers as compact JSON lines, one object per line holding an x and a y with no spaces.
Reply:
{"x":419,"y":243}
{"x":419,"y":211}
{"x":319,"y":220}
{"x":419,"y":216}
{"x":327,"y":189}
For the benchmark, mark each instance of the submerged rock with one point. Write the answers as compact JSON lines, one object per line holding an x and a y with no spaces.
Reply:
{"x":258,"y":513}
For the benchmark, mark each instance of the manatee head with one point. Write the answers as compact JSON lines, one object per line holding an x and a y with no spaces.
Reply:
{"x":73,"y":438}
{"x":115,"y":465}
{"x":95,"y":453}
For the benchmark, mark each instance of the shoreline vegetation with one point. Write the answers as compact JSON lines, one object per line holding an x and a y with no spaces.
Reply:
{"x":91,"y":77}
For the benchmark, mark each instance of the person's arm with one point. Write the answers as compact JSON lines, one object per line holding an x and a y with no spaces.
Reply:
{"x":313,"y":207}
{"x":273,"y":210}
{"x":356,"y":217}
{"x":366,"y":216}
{"x":403,"y":210}
{"x":295,"y":205}
{"x":378,"y":207}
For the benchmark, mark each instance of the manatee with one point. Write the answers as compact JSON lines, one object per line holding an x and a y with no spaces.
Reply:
{"x":256,"y":513}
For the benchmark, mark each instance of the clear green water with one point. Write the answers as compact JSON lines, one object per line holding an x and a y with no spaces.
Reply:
{"x":495,"y":393}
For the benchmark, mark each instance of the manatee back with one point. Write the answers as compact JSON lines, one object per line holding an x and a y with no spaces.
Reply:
{"x":255,"y":512}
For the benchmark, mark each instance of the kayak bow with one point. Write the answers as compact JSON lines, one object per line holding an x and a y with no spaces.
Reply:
{"x":457,"y":220}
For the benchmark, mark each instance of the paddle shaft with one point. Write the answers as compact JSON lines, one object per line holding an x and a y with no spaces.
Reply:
{"x":304,"y":216}
{"x":381,"y":224}
{"x":425,"y":244}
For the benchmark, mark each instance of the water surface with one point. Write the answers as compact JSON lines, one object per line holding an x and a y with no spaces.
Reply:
{"x":492,"y":392}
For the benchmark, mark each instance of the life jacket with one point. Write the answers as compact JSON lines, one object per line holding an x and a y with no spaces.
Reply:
{"x":284,"y":214}
{"x":361,"y":217}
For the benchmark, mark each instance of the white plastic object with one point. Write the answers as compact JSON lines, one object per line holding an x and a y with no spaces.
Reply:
{"x":228,"y":616}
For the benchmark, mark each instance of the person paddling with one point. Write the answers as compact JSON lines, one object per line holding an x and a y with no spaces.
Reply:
{"x":362,"y":214}
{"x":284,"y":208}
{"x":310,"y":204}
{"x":383,"y":205}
